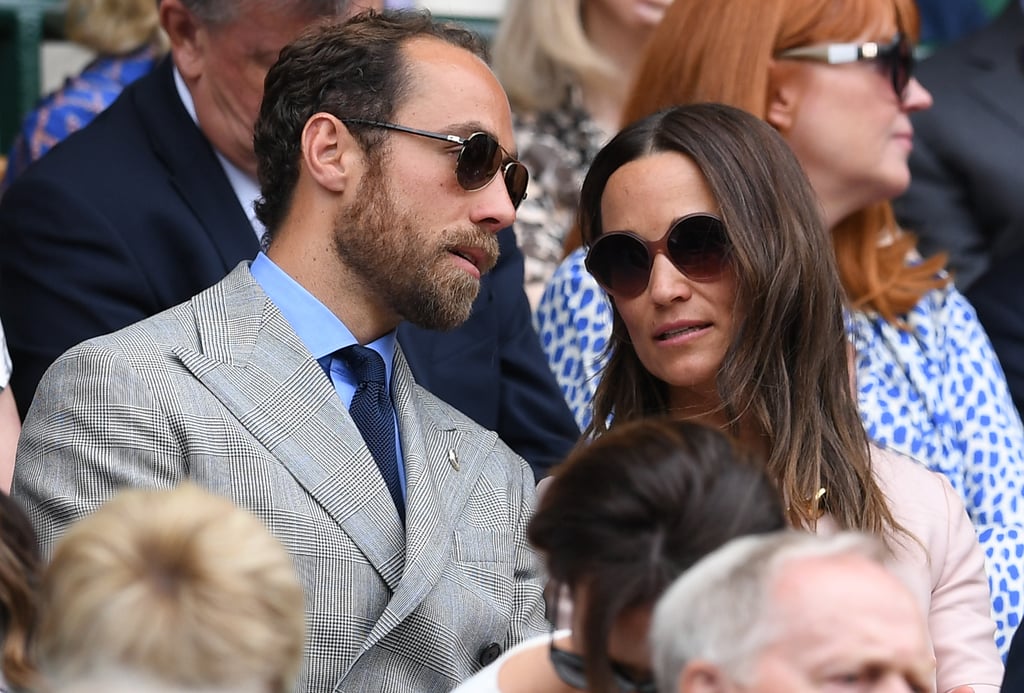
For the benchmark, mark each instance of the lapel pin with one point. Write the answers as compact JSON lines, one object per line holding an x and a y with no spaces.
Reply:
{"x":453,"y":459}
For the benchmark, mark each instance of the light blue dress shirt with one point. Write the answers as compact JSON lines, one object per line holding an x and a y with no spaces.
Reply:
{"x":324,"y":334}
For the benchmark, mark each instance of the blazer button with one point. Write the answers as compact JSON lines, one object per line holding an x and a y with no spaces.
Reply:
{"x":489,"y":654}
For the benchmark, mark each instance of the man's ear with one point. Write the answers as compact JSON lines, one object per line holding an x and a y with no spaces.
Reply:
{"x":700,"y":676}
{"x":783,"y":96}
{"x":187,"y":38}
{"x":330,"y":154}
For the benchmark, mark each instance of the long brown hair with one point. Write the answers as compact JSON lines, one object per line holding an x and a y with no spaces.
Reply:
{"x":721,"y":51}
{"x":785,"y":375}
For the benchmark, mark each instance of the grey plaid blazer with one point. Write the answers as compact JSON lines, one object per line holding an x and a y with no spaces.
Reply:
{"x":220,"y":390}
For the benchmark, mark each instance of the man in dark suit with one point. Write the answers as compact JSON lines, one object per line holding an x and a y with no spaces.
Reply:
{"x":966,"y":166}
{"x":998,"y":298}
{"x":152,"y":202}
{"x":386,"y":167}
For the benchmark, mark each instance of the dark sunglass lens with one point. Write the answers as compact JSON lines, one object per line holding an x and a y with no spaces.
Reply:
{"x":569,"y":667}
{"x":516,"y":180}
{"x":904,"y":69}
{"x":479,"y":160}
{"x":698,"y":246}
{"x":621,"y":264}
{"x":898,"y":60}
{"x":627,"y":683}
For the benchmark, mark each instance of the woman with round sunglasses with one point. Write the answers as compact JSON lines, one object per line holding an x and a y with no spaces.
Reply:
{"x":835,"y":79}
{"x":618,"y":522}
{"x":727,"y":311}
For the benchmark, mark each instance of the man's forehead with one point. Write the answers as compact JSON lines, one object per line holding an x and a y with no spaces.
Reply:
{"x":267,"y":26}
{"x":817,"y":593}
{"x":431,"y":51}
{"x":447,"y":78}
{"x":309,"y":8}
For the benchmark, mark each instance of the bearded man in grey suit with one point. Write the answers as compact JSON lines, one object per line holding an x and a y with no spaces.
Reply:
{"x":408,"y":535}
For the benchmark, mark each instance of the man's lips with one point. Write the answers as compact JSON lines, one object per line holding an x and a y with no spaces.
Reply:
{"x":481,"y":260}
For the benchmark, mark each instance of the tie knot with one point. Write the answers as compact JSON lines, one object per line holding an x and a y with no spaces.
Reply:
{"x":365,"y":363}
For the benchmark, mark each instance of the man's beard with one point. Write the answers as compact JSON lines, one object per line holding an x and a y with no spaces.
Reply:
{"x":407,"y":267}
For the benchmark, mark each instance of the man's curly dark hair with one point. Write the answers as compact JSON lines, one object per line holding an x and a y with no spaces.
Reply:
{"x":353,"y":69}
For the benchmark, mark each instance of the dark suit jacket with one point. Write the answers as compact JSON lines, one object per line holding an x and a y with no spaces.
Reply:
{"x":968,"y":161}
{"x":998,"y":298}
{"x":133,"y":214}
{"x":1013,"y":681}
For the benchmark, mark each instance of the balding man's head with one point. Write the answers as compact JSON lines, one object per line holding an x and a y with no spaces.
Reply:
{"x":223,"y":49}
{"x":777,"y":613}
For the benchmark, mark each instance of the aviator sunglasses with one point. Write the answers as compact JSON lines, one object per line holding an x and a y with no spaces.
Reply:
{"x":621,"y":261}
{"x":480,"y":158}
{"x":896,"y":58}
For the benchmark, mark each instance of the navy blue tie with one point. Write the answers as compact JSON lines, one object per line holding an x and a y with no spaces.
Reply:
{"x":372,"y":412}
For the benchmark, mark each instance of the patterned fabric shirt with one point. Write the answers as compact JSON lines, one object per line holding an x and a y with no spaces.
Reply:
{"x":71,"y":107}
{"x":934,"y":392}
{"x":557,"y":147}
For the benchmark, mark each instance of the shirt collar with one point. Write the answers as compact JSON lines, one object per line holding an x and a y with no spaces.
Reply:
{"x":320,"y":330}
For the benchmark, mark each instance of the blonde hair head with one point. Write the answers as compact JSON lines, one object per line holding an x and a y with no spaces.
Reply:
{"x":114,"y":27}
{"x":541,"y":49}
{"x":181,"y":586}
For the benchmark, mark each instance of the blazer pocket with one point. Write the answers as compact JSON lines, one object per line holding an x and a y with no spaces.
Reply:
{"x":483,"y":566}
{"x":476,"y":545}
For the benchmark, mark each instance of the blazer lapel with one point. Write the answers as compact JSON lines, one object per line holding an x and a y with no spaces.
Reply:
{"x":256,"y":366}
{"x":441,"y":466}
{"x":253,"y":362}
{"x":193,"y":168}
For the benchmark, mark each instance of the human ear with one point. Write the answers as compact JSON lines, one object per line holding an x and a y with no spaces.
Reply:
{"x":187,"y":38}
{"x":329,"y":152}
{"x":782,"y":97}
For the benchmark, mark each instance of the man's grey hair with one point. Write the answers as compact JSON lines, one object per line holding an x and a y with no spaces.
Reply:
{"x":223,"y":12}
{"x":718,"y":610}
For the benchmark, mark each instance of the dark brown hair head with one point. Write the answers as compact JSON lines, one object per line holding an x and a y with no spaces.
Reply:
{"x":353,"y":69}
{"x":627,"y":513}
